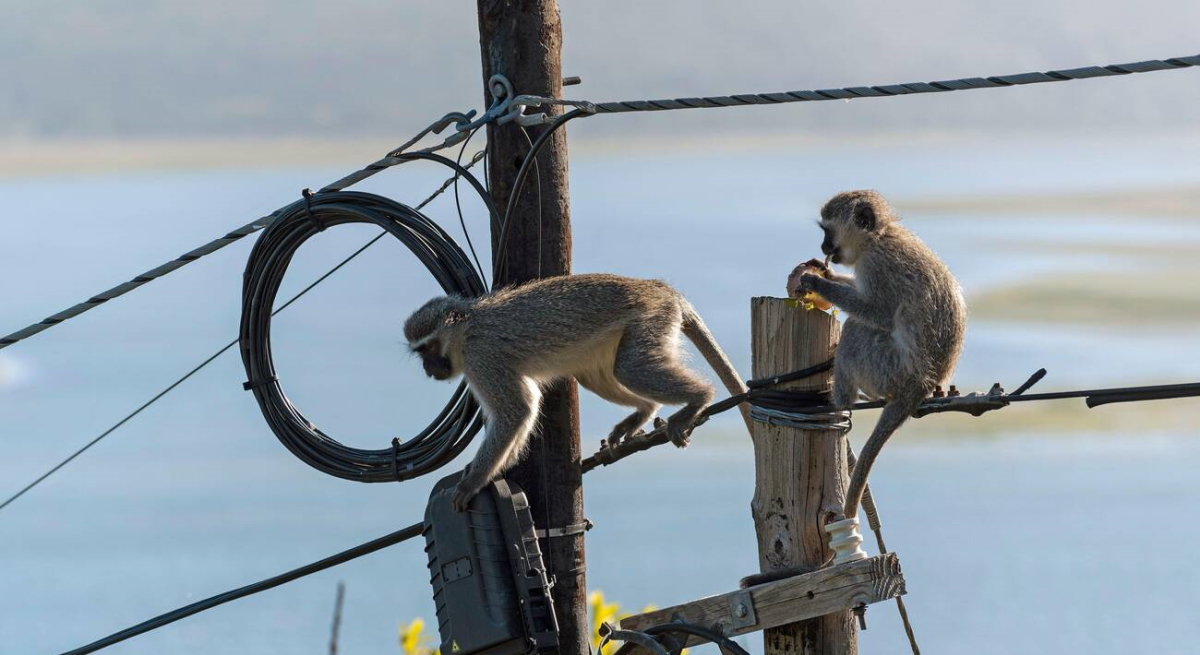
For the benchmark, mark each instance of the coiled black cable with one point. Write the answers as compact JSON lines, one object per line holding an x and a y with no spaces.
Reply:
{"x":454,"y":427}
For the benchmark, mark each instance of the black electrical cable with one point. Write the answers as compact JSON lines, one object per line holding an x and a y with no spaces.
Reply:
{"x":458,"y":201}
{"x":392,"y":539}
{"x":519,"y":184}
{"x":724,"y":642}
{"x":453,"y":428}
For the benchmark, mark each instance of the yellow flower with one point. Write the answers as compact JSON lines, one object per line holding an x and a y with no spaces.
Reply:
{"x":602,"y":612}
{"x":411,"y":641}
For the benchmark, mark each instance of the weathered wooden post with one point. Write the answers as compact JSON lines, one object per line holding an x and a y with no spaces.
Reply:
{"x":522,"y":40}
{"x":801,"y":475}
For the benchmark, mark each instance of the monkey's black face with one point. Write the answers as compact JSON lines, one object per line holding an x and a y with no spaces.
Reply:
{"x":828,"y":247}
{"x":437,"y":365}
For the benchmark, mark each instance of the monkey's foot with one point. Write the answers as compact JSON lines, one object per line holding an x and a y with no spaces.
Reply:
{"x":679,"y":435}
{"x":466,"y":490}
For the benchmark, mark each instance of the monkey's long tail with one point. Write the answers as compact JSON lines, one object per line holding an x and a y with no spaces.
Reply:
{"x":695,"y":329}
{"x":894,"y":414}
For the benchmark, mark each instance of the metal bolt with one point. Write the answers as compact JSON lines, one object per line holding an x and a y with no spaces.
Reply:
{"x":954,"y":391}
{"x":860,"y":612}
{"x":740,"y":611}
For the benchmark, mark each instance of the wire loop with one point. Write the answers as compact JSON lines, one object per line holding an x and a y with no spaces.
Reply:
{"x":453,"y":428}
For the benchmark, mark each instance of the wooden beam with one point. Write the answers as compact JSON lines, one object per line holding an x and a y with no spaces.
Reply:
{"x":522,"y":39}
{"x":800,"y":475}
{"x":770,"y":605}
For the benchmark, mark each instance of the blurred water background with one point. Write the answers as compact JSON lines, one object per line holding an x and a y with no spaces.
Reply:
{"x":130,"y":132}
{"x":1046,"y":528}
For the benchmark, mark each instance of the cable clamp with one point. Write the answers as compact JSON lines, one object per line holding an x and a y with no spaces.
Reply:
{"x":254,"y":384}
{"x":502,"y":96}
{"x":519,"y":103}
{"x":568,"y":531}
{"x":397,"y":472}
{"x":308,"y":196}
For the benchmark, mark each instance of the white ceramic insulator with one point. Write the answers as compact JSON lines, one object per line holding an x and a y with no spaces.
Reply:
{"x":846,"y":541}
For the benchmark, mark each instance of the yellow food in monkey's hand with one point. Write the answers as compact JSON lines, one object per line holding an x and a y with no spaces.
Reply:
{"x":810,"y":299}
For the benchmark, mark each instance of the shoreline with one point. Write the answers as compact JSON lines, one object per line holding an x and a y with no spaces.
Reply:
{"x":36,"y":158}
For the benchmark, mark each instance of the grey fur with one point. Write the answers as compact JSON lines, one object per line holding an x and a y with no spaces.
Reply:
{"x":618,"y":336}
{"x":907,"y":317}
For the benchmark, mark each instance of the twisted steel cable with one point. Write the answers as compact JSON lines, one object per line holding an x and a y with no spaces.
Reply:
{"x":589,"y":108}
{"x":453,"y":428}
{"x":888,"y":90}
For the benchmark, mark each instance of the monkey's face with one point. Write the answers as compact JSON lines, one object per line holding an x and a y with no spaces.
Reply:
{"x":437,"y":365}
{"x":839,"y":242}
{"x":828,"y":245}
{"x":848,"y":220}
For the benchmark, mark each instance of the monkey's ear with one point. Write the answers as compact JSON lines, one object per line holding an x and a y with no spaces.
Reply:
{"x":864,"y":216}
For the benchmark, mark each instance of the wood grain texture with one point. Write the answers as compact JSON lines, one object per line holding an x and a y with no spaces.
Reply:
{"x":522,"y":39}
{"x":801,"y":475}
{"x":824,"y":592}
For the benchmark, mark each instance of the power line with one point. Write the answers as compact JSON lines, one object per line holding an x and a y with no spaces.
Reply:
{"x":856,"y":92}
{"x":623,"y":106}
{"x":391,"y":539}
{"x":462,"y":120}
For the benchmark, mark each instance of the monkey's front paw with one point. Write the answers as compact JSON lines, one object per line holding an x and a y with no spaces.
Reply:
{"x":678,"y":435}
{"x":808,"y":282}
{"x":467,"y":489}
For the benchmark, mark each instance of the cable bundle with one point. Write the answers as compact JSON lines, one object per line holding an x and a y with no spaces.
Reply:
{"x":450,"y":432}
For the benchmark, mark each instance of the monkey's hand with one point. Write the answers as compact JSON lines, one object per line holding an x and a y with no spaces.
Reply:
{"x":816,"y":263}
{"x":808,"y":282}
{"x":468,"y":487}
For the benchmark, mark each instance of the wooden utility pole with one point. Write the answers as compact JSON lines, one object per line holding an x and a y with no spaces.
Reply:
{"x":801,"y":475}
{"x":522,"y":39}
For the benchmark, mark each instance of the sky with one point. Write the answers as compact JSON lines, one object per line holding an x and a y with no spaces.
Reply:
{"x":157,"y":69}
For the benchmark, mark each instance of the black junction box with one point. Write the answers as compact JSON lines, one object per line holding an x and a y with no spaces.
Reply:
{"x":489,"y":583}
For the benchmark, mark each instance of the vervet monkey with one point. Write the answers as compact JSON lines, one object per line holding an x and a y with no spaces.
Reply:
{"x":907,"y":317}
{"x":905,"y":328}
{"x":618,"y":336}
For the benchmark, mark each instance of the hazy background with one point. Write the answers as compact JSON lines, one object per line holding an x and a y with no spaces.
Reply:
{"x":307,"y":68}
{"x":133,"y":131}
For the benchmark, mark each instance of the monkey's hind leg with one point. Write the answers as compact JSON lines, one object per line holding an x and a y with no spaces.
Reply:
{"x":648,"y":365}
{"x":511,"y":406}
{"x":845,"y":386}
{"x":607,"y":387}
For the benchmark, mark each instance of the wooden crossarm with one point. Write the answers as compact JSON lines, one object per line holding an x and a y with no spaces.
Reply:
{"x":773,"y":604}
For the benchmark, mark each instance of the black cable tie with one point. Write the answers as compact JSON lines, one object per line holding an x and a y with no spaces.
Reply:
{"x":254,"y":384}
{"x":790,"y":377}
{"x":396,"y":459}
{"x":308,"y":196}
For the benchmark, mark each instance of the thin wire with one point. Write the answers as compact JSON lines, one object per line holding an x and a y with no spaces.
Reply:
{"x":458,"y":201}
{"x":219,"y":352}
{"x":537,"y":174}
{"x":522,"y":176}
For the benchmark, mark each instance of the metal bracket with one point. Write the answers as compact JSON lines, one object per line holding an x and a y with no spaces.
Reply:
{"x":741,"y":610}
{"x":570,"y":530}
